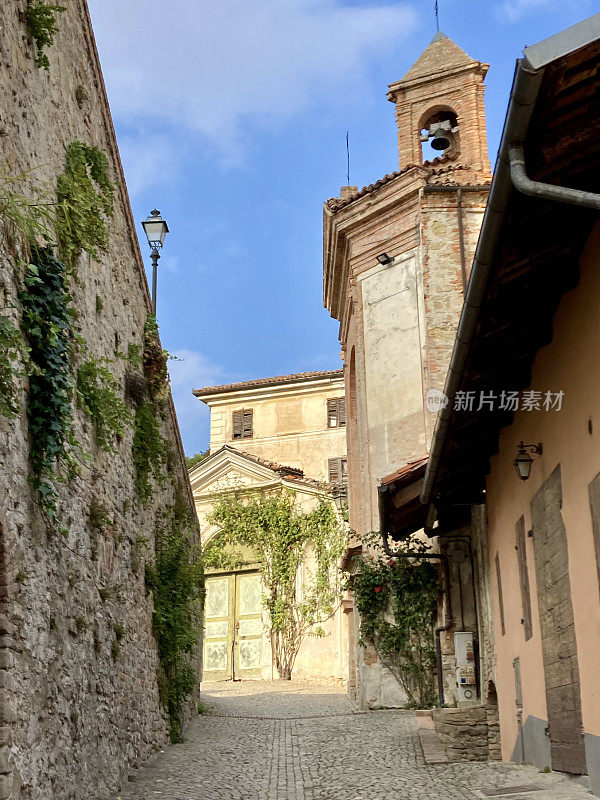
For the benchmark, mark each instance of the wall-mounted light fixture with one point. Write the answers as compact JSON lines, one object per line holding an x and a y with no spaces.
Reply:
{"x":384,"y":259}
{"x":523,"y":461}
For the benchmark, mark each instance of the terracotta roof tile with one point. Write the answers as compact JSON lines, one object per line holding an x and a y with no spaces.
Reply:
{"x":406,"y":472}
{"x":337,"y":203}
{"x":277,"y":379}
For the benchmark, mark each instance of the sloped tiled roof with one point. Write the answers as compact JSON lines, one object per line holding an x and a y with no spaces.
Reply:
{"x":277,"y":379}
{"x":336,"y":203}
{"x":406,"y":472}
{"x":294,"y":474}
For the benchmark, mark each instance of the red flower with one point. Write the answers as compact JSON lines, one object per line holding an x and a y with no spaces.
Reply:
{"x":372,"y":558}
{"x":392,"y":562}
{"x":378,"y":589}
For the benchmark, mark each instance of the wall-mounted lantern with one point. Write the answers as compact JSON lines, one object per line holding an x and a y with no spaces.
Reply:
{"x":523,"y":461}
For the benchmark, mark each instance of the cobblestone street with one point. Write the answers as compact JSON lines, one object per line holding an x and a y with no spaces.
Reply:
{"x":272,"y":741}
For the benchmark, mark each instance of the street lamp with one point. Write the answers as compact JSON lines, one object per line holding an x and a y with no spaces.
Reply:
{"x":523,"y":461}
{"x":339,"y":495}
{"x":156,"y":229}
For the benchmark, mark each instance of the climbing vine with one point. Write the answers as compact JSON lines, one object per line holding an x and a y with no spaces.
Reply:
{"x":99,"y":396}
{"x":47,"y":324}
{"x":149,"y":450}
{"x":84,"y":201}
{"x":40,"y":17}
{"x":282,"y":535}
{"x":397,"y":602}
{"x":155,"y":361}
{"x":177,"y":582}
{"x":14,"y":358}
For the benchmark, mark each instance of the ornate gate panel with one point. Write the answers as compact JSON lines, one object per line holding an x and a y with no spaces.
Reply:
{"x":233,"y":635}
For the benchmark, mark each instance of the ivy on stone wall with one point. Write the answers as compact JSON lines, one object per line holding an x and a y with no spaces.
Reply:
{"x":14,"y":359}
{"x":47,"y":324}
{"x":149,"y":451}
{"x":397,"y":602}
{"x":84,"y":201}
{"x":176,"y":579}
{"x":40,"y":17}
{"x":98,"y":393}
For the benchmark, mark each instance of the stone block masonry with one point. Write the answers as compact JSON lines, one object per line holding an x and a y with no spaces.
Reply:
{"x":468,"y":734}
{"x":79,"y":695}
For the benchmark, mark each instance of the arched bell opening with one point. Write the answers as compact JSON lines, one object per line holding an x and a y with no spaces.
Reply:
{"x":439,"y":134}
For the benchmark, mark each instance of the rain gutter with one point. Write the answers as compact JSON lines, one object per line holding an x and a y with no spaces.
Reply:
{"x":510,"y":170}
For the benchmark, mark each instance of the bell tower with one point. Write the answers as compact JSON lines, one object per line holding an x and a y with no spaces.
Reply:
{"x":440,"y":102}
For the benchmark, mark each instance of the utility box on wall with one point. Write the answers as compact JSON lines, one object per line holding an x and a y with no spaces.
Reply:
{"x":464,"y":652}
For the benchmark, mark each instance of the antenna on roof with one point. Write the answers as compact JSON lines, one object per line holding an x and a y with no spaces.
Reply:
{"x":437,"y":15}
{"x":348,"y":158}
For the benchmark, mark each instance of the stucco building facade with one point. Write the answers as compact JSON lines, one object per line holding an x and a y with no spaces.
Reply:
{"x":396,"y":256}
{"x":271,"y":434}
{"x":541,"y":529}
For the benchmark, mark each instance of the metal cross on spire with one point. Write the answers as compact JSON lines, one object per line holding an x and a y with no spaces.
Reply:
{"x":437,"y":15}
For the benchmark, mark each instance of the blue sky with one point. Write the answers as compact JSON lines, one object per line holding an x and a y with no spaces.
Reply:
{"x":231,"y":119}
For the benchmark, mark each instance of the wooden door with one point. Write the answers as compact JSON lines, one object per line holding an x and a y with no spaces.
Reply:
{"x":218,"y":630}
{"x":248,"y":633}
{"x":233,"y":632}
{"x":557,"y":628}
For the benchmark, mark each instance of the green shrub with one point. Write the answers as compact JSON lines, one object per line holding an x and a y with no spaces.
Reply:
{"x":84,"y":199}
{"x":97,"y":394}
{"x":149,"y":451}
{"x":177,"y":582}
{"x":41,"y":24}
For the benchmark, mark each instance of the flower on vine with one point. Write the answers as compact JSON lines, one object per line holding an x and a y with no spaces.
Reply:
{"x":378,"y":589}
{"x":372,"y":558}
{"x":392,"y":562}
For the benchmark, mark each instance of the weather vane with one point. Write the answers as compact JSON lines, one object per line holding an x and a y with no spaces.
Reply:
{"x":437,"y":15}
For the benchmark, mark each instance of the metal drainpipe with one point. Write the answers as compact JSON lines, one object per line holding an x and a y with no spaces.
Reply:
{"x":467,"y":539}
{"x":546,"y":191}
{"x":461,"y":239}
{"x":432,"y":189}
{"x":448,"y":605}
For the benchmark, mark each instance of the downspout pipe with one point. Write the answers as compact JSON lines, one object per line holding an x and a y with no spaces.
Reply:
{"x":443,"y":559}
{"x":524,"y":94}
{"x":546,"y":191}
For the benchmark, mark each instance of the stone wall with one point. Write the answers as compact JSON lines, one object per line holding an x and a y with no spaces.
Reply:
{"x":464,"y":732}
{"x":78,"y":660}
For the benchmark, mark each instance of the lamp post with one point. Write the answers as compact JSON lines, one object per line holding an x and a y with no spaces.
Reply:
{"x":156,"y":229}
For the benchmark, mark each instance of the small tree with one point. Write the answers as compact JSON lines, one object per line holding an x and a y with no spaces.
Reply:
{"x":282,"y":535}
{"x":397,"y":601}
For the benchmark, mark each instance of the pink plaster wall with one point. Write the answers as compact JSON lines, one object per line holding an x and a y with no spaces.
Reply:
{"x":571,"y":362}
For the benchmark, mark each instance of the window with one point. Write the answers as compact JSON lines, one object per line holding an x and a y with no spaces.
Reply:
{"x":336,"y":412}
{"x":338,"y":470}
{"x":242,"y":424}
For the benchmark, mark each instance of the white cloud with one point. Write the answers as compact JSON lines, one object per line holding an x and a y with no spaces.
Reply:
{"x":193,"y":370}
{"x":217,"y":68}
{"x":148,"y":159}
{"x":513,"y":10}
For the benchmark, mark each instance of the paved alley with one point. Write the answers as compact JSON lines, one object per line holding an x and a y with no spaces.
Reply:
{"x":272,"y":741}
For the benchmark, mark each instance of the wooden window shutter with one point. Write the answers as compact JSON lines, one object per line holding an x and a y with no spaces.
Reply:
{"x":500,"y":595}
{"x":341,"y":411}
{"x":336,"y":412}
{"x":332,"y":415}
{"x":338,"y":472}
{"x":334,"y":470}
{"x":524,"y":579}
{"x":247,"y":432}
{"x":238,"y":428}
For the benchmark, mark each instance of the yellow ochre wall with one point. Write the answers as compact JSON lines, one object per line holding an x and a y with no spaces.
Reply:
{"x":569,"y":363}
